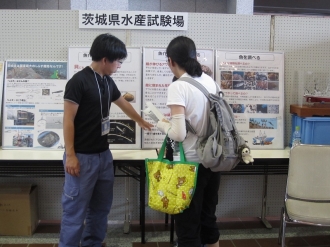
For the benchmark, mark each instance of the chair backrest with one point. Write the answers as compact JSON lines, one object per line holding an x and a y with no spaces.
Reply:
{"x":309,"y":172}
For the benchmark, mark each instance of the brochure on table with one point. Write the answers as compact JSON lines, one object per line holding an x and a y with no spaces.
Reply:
{"x":124,"y":132}
{"x":253,"y":83}
{"x":33,"y":105}
{"x":157,"y":76}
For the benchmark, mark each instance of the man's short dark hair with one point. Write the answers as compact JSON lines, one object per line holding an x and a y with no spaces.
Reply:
{"x":109,"y":46}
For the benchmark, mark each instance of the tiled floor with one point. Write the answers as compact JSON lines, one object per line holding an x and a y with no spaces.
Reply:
{"x":235,"y":232}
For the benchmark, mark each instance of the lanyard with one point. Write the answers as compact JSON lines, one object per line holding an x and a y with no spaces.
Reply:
{"x":97,"y":83}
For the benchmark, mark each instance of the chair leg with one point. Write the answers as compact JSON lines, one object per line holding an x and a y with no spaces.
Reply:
{"x":281,"y":235}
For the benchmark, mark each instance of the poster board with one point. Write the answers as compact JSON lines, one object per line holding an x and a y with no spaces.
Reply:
{"x":2,"y":69}
{"x":33,"y":105}
{"x":253,"y":83}
{"x":157,"y":76}
{"x":124,"y":132}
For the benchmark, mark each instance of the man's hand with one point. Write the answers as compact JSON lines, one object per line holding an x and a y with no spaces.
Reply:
{"x":145,"y":125}
{"x":72,"y":166}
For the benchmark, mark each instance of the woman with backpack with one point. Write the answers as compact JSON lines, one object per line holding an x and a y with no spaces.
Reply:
{"x":196,"y":226}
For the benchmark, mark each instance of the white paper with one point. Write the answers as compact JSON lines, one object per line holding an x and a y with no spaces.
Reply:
{"x":153,"y":112}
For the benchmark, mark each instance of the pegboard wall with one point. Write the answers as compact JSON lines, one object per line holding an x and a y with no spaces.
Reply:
{"x":47,"y":34}
{"x":306,"y":43}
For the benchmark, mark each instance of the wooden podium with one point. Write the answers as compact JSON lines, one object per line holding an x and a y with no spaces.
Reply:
{"x":322,"y":110}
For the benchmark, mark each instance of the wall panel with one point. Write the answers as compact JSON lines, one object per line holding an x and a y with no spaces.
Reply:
{"x":306,"y":43}
{"x":46,"y":35}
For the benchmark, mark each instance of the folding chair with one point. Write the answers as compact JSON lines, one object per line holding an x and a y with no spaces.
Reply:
{"x":307,"y":196}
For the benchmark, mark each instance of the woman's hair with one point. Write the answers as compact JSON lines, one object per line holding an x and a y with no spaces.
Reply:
{"x":182,"y":50}
{"x":109,"y":46}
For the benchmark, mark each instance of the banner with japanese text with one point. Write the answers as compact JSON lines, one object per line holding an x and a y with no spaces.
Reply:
{"x":124,"y":132}
{"x":157,"y":76}
{"x":107,"y":19}
{"x":253,"y":84}
{"x":33,"y":105}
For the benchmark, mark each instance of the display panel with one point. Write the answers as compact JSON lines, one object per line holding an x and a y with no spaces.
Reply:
{"x":253,"y":84}
{"x":33,"y":105}
{"x":157,"y":76}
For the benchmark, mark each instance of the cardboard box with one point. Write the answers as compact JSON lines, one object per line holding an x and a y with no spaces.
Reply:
{"x":18,"y":209}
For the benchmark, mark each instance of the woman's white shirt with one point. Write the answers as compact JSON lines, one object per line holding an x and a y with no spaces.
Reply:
{"x":196,"y":109}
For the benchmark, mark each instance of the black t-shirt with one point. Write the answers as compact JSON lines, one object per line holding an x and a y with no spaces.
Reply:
{"x":82,"y":89}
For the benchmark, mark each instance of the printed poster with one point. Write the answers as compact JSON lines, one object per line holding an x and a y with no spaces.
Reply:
{"x":253,"y":84}
{"x":124,"y":132}
{"x":33,"y":105}
{"x":2,"y":69}
{"x":157,"y":76}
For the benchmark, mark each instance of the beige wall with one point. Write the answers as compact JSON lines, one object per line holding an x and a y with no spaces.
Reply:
{"x":199,"y":6}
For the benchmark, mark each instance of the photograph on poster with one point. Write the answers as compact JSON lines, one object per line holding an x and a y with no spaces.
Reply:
{"x":273,"y":85}
{"x":238,"y":85}
{"x":23,"y":140}
{"x":122,"y":132}
{"x":226,"y":84}
{"x":262,"y":108}
{"x":263,"y":123}
{"x":261,"y":138}
{"x":129,"y":96}
{"x":226,"y":75}
{"x":24,"y":118}
{"x":54,"y":122}
{"x":274,"y":109}
{"x":36,"y":70}
{"x":250,"y":108}
{"x":48,"y":139}
{"x":262,"y":85}
{"x":261,"y":76}
{"x":237,"y":108}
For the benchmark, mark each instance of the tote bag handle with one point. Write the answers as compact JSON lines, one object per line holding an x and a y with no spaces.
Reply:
{"x":162,"y":151}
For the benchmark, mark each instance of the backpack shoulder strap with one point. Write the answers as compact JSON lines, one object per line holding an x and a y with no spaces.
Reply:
{"x":202,"y":89}
{"x":196,"y":84}
{"x":200,"y":86}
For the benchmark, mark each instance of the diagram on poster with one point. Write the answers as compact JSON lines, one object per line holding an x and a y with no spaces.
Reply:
{"x":33,"y":104}
{"x":157,"y":76}
{"x":124,"y":132}
{"x":253,"y":83}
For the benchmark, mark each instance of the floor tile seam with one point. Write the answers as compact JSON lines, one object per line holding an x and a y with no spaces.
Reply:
{"x":233,"y":243}
{"x":257,"y":242}
{"x":30,"y":241}
{"x":263,"y":236}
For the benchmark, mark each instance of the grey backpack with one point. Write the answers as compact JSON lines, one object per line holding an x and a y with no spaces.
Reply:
{"x":218,"y":150}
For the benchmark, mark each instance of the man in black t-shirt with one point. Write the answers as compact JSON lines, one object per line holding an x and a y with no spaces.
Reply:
{"x":88,"y":163}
